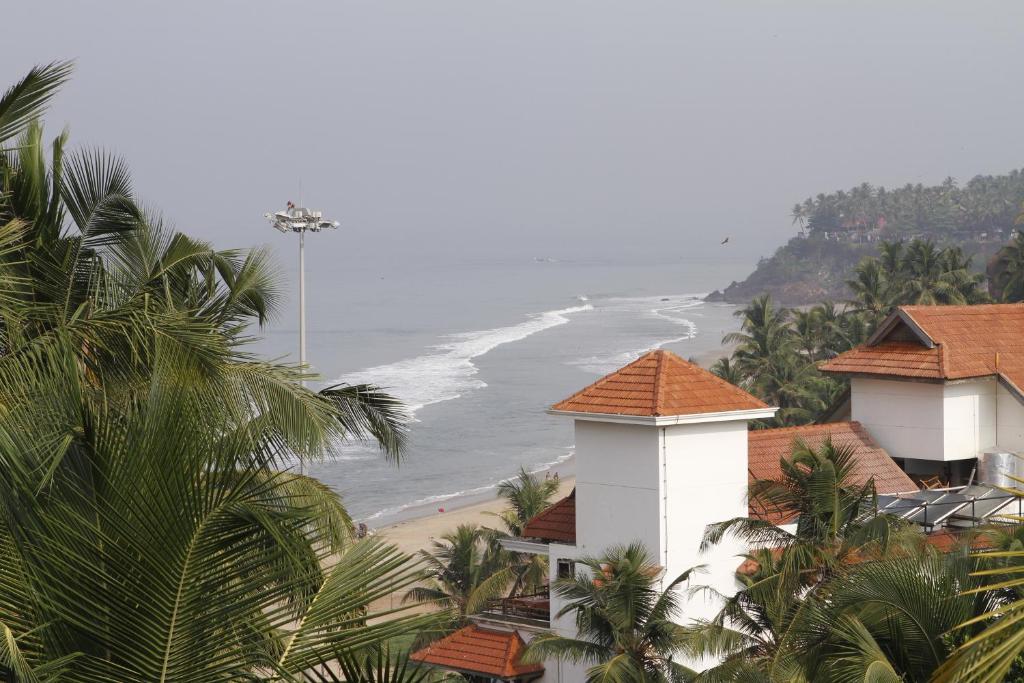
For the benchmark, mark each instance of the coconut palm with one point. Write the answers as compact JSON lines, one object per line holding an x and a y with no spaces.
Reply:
{"x":27,"y":99}
{"x":748,"y":636}
{"x":1007,"y":271}
{"x":834,"y":517}
{"x":155,"y":536}
{"x":727,"y":370}
{"x":896,"y":618}
{"x":80,"y":258}
{"x":464,"y":573}
{"x":527,"y":495}
{"x":991,"y":647}
{"x":626,"y":626}
{"x":870,"y":288}
{"x":150,"y":527}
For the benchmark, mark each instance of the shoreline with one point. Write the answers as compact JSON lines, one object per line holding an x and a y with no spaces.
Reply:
{"x":418,"y":533}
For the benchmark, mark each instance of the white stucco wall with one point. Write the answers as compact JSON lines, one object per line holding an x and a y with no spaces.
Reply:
{"x":928,"y":421}
{"x":905,"y":418}
{"x":968,"y":417}
{"x":1010,"y":413}
{"x":705,"y":475}
{"x":617,"y":485}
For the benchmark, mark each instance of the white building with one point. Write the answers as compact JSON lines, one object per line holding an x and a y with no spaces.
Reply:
{"x":663,"y":448}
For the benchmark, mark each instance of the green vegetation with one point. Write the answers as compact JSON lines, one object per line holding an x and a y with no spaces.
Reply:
{"x":627,"y":628}
{"x":838,"y":230}
{"x":468,"y":568}
{"x":465,"y":571}
{"x":151,"y":526}
{"x":777,"y":349}
{"x":847,"y":596}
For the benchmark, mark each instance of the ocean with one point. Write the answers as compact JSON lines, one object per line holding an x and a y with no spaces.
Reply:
{"x":478,"y":350}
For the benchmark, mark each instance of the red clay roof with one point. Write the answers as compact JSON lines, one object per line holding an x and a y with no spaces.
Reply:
{"x":479,"y":650}
{"x":659,"y":384}
{"x":903,"y":359}
{"x":765,"y":447}
{"x":556,"y":523}
{"x":969,"y":341}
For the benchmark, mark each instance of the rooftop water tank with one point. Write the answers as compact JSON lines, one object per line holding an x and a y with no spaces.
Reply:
{"x":996,"y":465}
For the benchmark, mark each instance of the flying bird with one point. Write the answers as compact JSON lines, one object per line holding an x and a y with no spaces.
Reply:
{"x":725,"y":240}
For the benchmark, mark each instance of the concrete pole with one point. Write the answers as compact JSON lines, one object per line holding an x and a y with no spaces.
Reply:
{"x":302,"y":302}
{"x":302,"y":317}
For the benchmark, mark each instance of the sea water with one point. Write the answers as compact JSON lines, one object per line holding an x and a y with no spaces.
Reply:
{"x":478,"y":350}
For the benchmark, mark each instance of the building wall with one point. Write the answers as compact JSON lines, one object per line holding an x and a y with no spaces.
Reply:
{"x":968,"y":417}
{"x":617,"y":485}
{"x":905,"y":418}
{"x":705,"y":481}
{"x":1010,"y":431}
{"x":554,"y":670}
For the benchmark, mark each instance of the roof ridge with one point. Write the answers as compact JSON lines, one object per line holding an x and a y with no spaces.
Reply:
{"x":659,"y":357}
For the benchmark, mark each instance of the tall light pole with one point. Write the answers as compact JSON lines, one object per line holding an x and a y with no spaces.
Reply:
{"x":301,"y":220}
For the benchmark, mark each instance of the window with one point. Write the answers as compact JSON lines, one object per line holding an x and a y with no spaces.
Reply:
{"x":566,"y":569}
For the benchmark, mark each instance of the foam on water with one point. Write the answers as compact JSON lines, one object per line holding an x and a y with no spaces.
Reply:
{"x":448,"y":372}
{"x":672,"y":311}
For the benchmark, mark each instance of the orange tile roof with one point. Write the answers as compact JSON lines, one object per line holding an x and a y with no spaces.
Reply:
{"x":904,"y":359}
{"x":556,"y":523}
{"x":659,"y":384}
{"x":765,"y":448}
{"x":969,"y":341}
{"x":479,"y":650}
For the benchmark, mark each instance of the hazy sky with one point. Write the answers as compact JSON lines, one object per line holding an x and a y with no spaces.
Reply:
{"x":569,"y":129}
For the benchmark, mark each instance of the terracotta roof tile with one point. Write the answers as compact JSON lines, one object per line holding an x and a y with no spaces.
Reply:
{"x":905,"y":359}
{"x":556,"y":523}
{"x":658,"y":384}
{"x":765,"y":447}
{"x":970,"y":341}
{"x":479,"y":650}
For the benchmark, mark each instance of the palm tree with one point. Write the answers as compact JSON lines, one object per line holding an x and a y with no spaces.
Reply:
{"x":27,"y":99}
{"x":464,"y":572}
{"x":527,"y":496}
{"x":727,"y":370}
{"x":1006,"y":274}
{"x":834,"y":517}
{"x":118,"y":281}
{"x":895,"y":619}
{"x":155,"y":536}
{"x":749,"y":634}
{"x":870,"y":288}
{"x":991,"y":647}
{"x":626,"y":628}
{"x":149,"y":526}
{"x":764,"y":342}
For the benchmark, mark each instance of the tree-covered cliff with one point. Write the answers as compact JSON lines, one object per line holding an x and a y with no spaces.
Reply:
{"x":835,"y":231}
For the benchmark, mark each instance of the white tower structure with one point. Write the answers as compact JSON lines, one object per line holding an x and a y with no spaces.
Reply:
{"x":661,"y":450}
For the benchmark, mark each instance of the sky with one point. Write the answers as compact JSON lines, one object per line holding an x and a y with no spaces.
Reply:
{"x":517,"y":128}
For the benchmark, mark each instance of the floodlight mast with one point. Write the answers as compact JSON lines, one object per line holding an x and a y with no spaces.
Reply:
{"x":301,"y":220}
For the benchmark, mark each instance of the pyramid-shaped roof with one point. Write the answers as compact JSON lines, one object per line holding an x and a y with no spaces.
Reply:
{"x":478,"y":650}
{"x":660,"y":384}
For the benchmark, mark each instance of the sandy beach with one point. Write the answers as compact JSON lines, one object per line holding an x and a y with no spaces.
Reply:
{"x":416,"y":534}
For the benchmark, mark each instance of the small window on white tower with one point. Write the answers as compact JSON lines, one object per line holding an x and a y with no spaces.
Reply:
{"x":566,"y":569}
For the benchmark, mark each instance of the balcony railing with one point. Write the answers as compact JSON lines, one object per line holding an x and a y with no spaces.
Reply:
{"x":533,"y":609}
